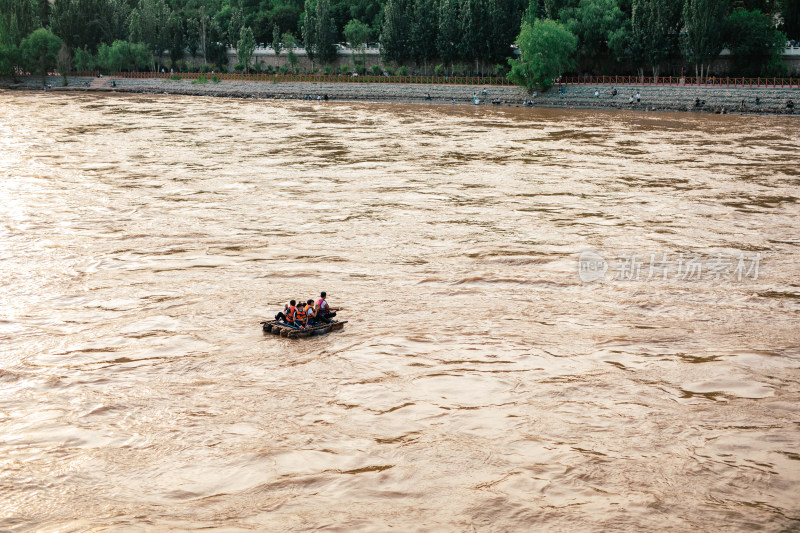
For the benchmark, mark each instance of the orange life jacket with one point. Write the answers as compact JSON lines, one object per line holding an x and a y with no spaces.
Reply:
{"x":309,"y":310}
{"x":290,"y":316}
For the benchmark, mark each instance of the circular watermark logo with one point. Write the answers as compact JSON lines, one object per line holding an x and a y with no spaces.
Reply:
{"x":591,"y":266}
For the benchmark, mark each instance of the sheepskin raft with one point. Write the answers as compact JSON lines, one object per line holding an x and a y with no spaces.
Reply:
{"x":276,"y":328}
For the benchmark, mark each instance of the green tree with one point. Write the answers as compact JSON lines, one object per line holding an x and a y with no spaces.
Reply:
{"x":111,"y":20}
{"x":532,"y":12}
{"x":357,"y":34}
{"x":18,"y":18}
{"x":325,"y":33}
{"x":623,"y":46}
{"x":448,"y":36}
{"x":245,"y":47}
{"x":702,"y":38}
{"x":64,"y":62}
{"x":552,"y":8}
{"x":216,"y":51}
{"x":83,"y":60}
{"x":546,"y":50}
{"x":149,"y":24}
{"x":424,"y":31}
{"x":9,"y":59}
{"x":87,"y":23}
{"x":790,"y":12}
{"x":310,"y":31}
{"x":290,"y":43}
{"x":276,"y":39}
{"x":203,"y":25}
{"x":40,"y":51}
{"x":176,"y":40}
{"x":44,"y":9}
{"x":235,"y":26}
{"x":756,"y":45}
{"x":192,"y":35}
{"x":505,"y":17}
{"x":594,"y":22}
{"x":123,"y":56}
{"x":655,"y":28}
{"x":395,"y":32}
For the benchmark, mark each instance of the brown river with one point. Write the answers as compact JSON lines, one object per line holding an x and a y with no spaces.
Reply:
{"x":557,"y":320}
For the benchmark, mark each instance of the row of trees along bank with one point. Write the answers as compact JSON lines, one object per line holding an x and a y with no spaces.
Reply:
{"x":441,"y":36}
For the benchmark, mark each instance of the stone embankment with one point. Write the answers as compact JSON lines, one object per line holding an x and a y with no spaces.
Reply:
{"x":653,"y":98}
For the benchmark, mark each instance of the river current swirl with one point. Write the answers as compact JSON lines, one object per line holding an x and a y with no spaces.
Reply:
{"x":482,"y":382}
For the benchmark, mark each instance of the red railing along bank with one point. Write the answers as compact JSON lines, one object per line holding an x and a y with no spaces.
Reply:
{"x":679,"y":81}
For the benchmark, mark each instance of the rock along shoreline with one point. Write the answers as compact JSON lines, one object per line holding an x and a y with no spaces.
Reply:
{"x":716,"y":99}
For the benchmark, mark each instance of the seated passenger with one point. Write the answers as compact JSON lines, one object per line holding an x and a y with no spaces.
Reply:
{"x":310,"y":313}
{"x":324,"y":313}
{"x":281,"y":316}
{"x":291,"y":316}
{"x":300,"y":316}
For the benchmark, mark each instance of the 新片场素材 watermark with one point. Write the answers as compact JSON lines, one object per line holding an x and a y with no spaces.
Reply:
{"x":593,"y":266}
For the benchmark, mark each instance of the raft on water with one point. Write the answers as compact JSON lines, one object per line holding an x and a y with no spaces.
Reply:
{"x":276,"y":328}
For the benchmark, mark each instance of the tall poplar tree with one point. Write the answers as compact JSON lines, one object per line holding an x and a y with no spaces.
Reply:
{"x":18,"y":18}
{"x":704,"y":26}
{"x":655,"y":27}
{"x":504,"y":18}
{"x":309,"y":31}
{"x":326,"y":32}
{"x":448,"y":37}
{"x":245,"y":47}
{"x":235,"y":26}
{"x":395,"y":31}
{"x":150,"y":25}
{"x":790,"y":12}
{"x":276,"y":39}
{"x":424,"y":32}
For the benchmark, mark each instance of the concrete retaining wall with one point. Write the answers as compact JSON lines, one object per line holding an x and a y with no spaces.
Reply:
{"x":715,"y":99}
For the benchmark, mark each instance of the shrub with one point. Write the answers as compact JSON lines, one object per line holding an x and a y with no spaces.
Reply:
{"x":215,"y":78}
{"x":123,"y":56}
{"x":200,"y":79}
{"x":376,"y":70}
{"x":402,"y":71}
{"x":175,"y":77}
{"x":500,"y":70}
{"x":437,"y":70}
{"x":83,"y":60}
{"x":546,"y":50}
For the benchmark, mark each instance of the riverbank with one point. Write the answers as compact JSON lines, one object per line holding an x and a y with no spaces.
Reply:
{"x":759,"y":100}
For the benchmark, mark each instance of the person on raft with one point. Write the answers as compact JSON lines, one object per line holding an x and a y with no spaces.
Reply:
{"x":324,"y":313}
{"x":290,"y":316}
{"x":300,"y":316}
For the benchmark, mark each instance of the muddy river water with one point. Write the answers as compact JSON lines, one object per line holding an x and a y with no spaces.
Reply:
{"x":558,"y":320}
